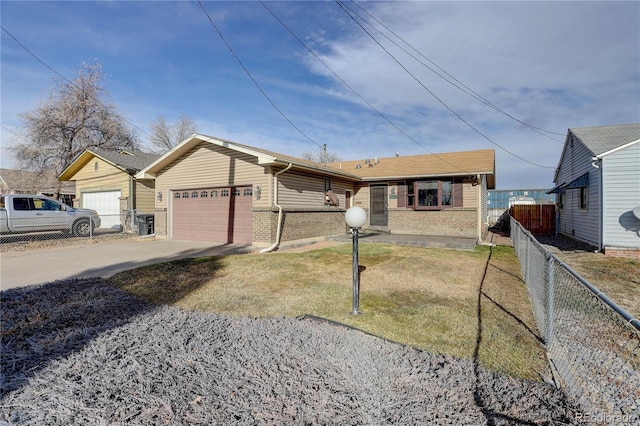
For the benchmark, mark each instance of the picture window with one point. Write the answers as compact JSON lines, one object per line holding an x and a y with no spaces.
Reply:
{"x":432,"y":195}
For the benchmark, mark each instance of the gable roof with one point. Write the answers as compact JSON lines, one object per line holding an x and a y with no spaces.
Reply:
{"x":265,"y":157}
{"x":129,"y":161}
{"x":23,"y":181}
{"x":416,"y":166}
{"x":450,"y":164}
{"x":601,"y":140}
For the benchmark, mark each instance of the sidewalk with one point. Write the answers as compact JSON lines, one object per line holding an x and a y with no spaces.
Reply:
{"x":499,"y":238}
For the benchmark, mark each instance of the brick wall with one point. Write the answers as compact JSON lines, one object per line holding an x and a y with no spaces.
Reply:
{"x":309,"y":223}
{"x":454,"y":222}
{"x":264,"y":224}
{"x":297,"y":224}
{"x":627,"y":252}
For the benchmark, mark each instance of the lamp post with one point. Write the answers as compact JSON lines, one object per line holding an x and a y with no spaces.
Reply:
{"x":355,"y":217}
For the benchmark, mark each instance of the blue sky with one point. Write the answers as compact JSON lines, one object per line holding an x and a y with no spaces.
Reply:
{"x":552,"y":65}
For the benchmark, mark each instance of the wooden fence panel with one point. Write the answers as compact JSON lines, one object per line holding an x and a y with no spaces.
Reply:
{"x":539,"y":219}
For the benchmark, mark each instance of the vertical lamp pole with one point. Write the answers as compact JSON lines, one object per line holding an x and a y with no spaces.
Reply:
{"x":355,"y":217}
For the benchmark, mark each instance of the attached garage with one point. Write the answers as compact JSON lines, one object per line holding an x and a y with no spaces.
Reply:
{"x":218,"y":215}
{"x":107,"y":204}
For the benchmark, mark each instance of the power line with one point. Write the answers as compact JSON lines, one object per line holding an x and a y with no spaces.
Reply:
{"x":460,"y":85}
{"x":267,"y":97}
{"x":339,"y":2}
{"x":352,"y":89}
{"x":26,"y":49}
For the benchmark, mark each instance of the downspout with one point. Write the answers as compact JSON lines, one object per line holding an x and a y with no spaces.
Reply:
{"x":275,"y":203}
{"x":130,"y":201}
{"x":596,"y":162}
{"x":479,"y":213}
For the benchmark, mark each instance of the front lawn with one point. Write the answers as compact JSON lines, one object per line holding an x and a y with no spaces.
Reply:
{"x":466,"y":304}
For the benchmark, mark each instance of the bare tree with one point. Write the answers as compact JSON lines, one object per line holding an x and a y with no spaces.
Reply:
{"x":321,"y":156}
{"x":76,"y":115}
{"x":165,"y":136}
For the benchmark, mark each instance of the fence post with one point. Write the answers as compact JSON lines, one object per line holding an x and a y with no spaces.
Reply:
{"x":550,"y":302}
{"x":528,"y":266}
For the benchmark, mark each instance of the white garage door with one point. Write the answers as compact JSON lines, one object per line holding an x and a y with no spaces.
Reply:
{"x":221,"y":215}
{"x":107,"y":204}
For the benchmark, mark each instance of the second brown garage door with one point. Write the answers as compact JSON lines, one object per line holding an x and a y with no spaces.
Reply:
{"x":218,"y":215}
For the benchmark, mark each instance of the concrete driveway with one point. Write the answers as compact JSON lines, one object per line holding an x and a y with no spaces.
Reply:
{"x":102,"y":259}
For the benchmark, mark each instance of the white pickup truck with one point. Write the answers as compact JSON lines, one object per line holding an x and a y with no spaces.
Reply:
{"x":20,"y":213}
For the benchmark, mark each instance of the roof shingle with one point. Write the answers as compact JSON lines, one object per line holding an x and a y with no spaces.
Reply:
{"x":127,"y":159}
{"x":447,"y":164}
{"x":605,"y":138}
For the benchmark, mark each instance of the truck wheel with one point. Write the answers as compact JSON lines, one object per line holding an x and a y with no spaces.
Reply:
{"x":82,"y":228}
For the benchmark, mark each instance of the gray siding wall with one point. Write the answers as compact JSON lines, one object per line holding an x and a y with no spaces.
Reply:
{"x":582,"y":224}
{"x":621,"y":180}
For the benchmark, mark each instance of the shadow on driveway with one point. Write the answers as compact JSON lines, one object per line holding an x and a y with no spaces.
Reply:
{"x":101,"y":259}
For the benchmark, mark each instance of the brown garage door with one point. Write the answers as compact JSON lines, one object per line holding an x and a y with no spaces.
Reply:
{"x":219,"y":215}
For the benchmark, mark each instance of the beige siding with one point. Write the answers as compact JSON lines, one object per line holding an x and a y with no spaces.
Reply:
{"x":209,"y":165}
{"x":145,"y":196}
{"x":393,"y":194}
{"x":105,"y":178}
{"x":469,"y":196}
{"x":296,"y":189}
{"x":361,"y":196}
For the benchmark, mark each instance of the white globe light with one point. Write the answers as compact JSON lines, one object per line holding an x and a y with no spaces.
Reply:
{"x":355,"y":217}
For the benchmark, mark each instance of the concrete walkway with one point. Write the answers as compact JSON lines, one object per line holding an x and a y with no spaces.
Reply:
{"x":106,"y":258}
{"x":101,"y":259}
{"x":427,"y":241}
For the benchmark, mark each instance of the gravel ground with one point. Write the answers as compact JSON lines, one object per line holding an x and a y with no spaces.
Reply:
{"x":26,"y":242}
{"x":81,"y":352}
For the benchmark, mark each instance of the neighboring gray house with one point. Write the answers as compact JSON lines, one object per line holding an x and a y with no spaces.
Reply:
{"x":598,"y":186}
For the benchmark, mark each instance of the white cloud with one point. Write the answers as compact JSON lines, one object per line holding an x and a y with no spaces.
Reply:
{"x":552,"y":64}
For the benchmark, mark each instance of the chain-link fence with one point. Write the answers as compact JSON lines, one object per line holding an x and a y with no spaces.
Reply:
{"x":21,"y":230}
{"x":593,"y":345}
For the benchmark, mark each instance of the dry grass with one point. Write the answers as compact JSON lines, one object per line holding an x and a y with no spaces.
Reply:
{"x":616,"y":277}
{"x":425,"y":298}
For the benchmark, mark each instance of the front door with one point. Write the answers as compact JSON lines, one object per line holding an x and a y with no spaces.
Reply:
{"x":378,"y":205}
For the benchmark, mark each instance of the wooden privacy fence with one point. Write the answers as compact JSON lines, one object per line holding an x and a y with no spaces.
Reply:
{"x":539,"y":219}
